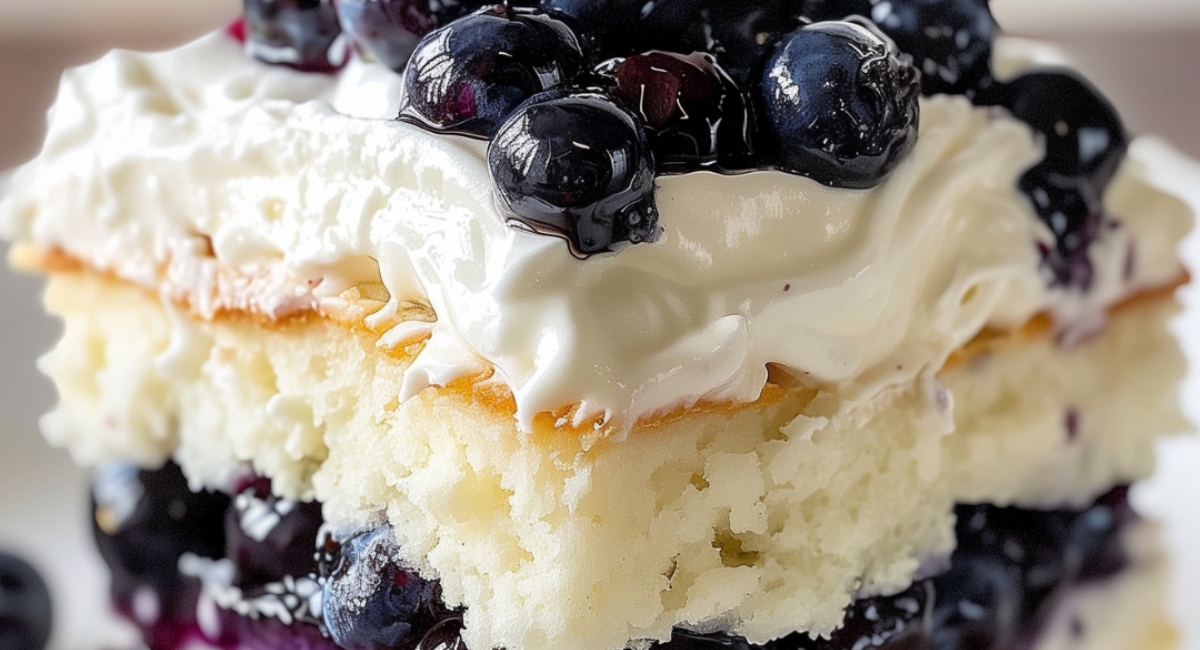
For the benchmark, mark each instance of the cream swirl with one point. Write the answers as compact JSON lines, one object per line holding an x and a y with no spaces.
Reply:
{"x":206,"y":175}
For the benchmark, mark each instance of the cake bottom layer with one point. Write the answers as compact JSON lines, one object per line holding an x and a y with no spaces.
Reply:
{"x":757,"y":520}
{"x":253,"y":571}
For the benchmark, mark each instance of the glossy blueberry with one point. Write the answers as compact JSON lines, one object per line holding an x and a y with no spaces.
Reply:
{"x":838,"y":105}
{"x":685,"y":640}
{"x":608,"y":27}
{"x":979,"y":604}
{"x":950,"y":41}
{"x":25,"y":607}
{"x":471,"y":74}
{"x":1083,"y":134}
{"x":823,"y":10}
{"x":1072,"y":210}
{"x":143,"y":522}
{"x":373,"y":601}
{"x":579,"y":167}
{"x":390,"y":29}
{"x":740,"y":34}
{"x":269,"y":537}
{"x":693,"y":113}
{"x":446,"y":635}
{"x":303,"y":34}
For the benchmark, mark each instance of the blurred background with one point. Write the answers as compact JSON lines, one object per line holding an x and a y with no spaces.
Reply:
{"x":1144,"y":55}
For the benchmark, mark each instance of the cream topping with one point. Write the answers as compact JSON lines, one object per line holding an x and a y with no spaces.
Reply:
{"x":236,"y":185}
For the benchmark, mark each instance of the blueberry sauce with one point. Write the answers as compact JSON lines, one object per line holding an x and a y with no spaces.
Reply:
{"x":26,"y":611}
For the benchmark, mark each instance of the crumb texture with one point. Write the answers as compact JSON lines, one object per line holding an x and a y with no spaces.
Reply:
{"x":763,"y":519}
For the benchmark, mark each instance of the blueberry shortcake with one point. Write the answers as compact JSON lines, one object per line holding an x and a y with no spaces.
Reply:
{"x":606,"y":324}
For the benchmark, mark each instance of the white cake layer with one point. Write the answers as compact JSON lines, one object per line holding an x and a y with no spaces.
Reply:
{"x":760,"y":520}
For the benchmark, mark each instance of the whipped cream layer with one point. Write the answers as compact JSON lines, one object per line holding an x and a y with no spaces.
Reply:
{"x":232,"y":185}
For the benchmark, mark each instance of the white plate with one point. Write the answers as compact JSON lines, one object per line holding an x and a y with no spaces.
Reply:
{"x":43,"y":502}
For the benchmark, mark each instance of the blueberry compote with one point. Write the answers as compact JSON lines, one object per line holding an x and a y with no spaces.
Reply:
{"x":144,"y":522}
{"x":25,"y":607}
{"x":303,"y":34}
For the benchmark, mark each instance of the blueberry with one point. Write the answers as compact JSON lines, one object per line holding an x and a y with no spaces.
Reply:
{"x":839,"y":105}
{"x":742,"y":34}
{"x":949,"y":40}
{"x":1083,"y":134}
{"x":823,"y":10}
{"x":25,"y":607}
{"x":446,"y":635}
{"x":372,"y":601}
{"x":693,"y":113}
{"x":471,"y":74}
{"x":270,"y":538}
{"x":303,"y":34}
{"x":685,"y":640}
{"x":1074,"y":213}
{"x":143,"y":522}
{"x":609,"y":27}
{"x":390,"y":29}
{"x":579,"y":167}
{"x":979,"y":604}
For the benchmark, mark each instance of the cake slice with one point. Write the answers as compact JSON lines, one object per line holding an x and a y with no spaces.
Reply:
{"x":755,"y":326}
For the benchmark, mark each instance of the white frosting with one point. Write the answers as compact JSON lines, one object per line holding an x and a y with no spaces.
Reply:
{"x":236,"y":185}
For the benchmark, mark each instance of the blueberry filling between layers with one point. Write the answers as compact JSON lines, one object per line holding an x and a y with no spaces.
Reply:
{"x":256,"y":571}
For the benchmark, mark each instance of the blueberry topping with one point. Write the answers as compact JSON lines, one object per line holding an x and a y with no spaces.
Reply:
{"x":373,"y":601}
{"x":303,"y":34}
{"x":579,"y":167}
{"x":1083,"y":134}
{"x":693,"y":113}
{"x":390,"y":29}
{"x":980,"y":602}
{"x":608,"y":27}
{"x":839,"y":105}
{"x":270,"y":538}
{"x":950,"y":40}
{"x":144,"y":522}
{"x":25,"y":607}
{"x":470,"y":75}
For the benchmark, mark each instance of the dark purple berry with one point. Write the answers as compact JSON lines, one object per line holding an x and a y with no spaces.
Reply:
{"x":470,"y":75}
{"x":446,"y":635}
{"x":578,"y":167}
{"x":25,"y":607}
{"x":303,"y":34}
{"x":1074,"y":214}
{"x":608,"y":27}
{"x":979,"y":604}
{"x":270,"y":538}
{"x":693,"y":113}
{"x":685,"y":640}
{"x":144,"y":522}
{"x":839,"y":105}
{"x":1083,"y":134}
{"x":950,"y":41}
{"x":373,"y":601}
{"x":390,"y":29}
